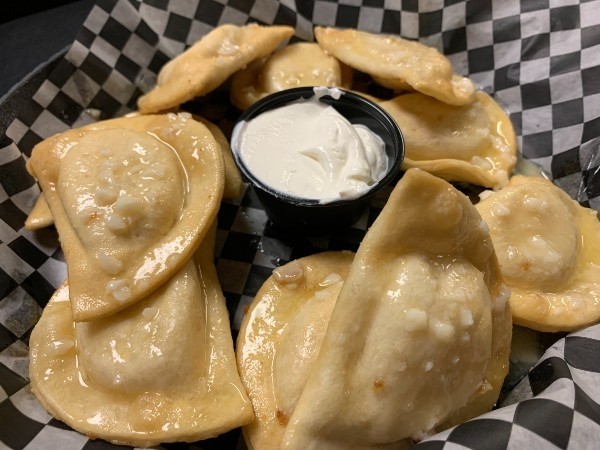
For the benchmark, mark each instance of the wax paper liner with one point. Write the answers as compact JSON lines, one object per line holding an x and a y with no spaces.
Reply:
{"x":539,"y":58}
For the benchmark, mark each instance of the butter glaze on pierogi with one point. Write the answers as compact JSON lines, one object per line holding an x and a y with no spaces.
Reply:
{"x":417,"y":338}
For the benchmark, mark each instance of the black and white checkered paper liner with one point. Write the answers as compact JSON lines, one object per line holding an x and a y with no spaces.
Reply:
{"x":539,"y":58}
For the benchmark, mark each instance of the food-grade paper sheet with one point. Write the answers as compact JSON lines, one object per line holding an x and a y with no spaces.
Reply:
{"x":540,"y":60}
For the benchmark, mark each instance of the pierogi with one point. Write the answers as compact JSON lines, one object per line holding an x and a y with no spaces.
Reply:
{"x":132,"y":199}
{"x":418,"y":338}
{"x":281,"y":336}
{"x":40,"y":216}
{"x":209,"y":62}
{"x":296,"y":65}
{"x":234,"y":184}
{"x":548,"y":247}
{"x":398,"y":63}
{"x":474,"y":143}
{"x":162,"y":370}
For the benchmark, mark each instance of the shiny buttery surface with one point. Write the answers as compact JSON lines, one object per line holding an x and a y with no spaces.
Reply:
{"x":160,"y":371}
{"x":474,"y":143}
{"x":132,"y":199}
{"x":298,"y":64}
{"x":548,"y":247}
{"x":397,"y":63}
{"x":417,"y":340}
{"x":209,"y":62}
{"x":281,"y":336}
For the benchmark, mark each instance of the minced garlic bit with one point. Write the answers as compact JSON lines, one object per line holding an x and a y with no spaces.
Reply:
{"x":289,"y":273}
{"x":485,"y":194}
{"x":109,"y":264}
{"x":416,"y":319}
{"x":466,"y":317}
{"x":129,"y":206}
{"x":105,"y":196}
{"x":119,"y":289}
{"x":482,"y":162}
{"x":330,"y":279}
{"x":150,"y":312}
{"x":500,"y":210}
{"x":115,"y":222}
{"x":60,"y":346}
{"x":444,"y":332}
{"x":501,"y":298}
{"x":428,"y":366}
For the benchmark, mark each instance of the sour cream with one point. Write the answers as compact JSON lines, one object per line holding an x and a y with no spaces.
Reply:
{"x":307,"y":149}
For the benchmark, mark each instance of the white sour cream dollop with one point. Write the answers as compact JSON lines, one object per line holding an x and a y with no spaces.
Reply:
{"x":308,"y":150}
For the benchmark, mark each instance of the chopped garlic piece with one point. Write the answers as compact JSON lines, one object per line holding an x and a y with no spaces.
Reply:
{"x":441,"y":330}
{"x":129,"y":206}
{"x":115,"y":222}
{"x":109,"y":264}
{"x":416,"y":319}
{"x":105,"y":196}
{"x":118,"y":289}
{"x":501,"y":298}
{"x":485,"y":194}
{"x":150,"y":312}
{"x":60,"y":346}
{"x":498,"y":209}
{"x":330,"y":279}
{"x":466,"y":318}
{"x":289,"y":273}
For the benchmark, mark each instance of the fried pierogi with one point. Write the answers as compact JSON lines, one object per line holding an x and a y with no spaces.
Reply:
{"x":233,"y":178}
{"x":40,"y":216}
{"x":548,"y":247}
{"x":209,"y":62}
{"x":296,"y":65}
{"x":132,"y":199}
{"x":418,"y":338}
{"x":281,"y":336}
{"x":398,"y":63}
{"x":162,"y":370}
{"x":474,"y":143}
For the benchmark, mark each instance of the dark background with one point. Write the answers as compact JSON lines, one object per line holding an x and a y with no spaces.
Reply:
{"x":33,"y":32}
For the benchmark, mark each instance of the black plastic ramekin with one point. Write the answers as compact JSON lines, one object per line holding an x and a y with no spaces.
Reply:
{"x":309,"y":216}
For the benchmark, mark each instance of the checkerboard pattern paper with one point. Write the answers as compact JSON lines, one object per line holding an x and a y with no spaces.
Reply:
{"x":563,"y":413}
{"x":540,"y":59}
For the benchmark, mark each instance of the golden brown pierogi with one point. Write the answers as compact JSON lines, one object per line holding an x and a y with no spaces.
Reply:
{"x":475,"y":143}
{"x":209,"y":62}
{"x":132,"y":199}
{"x":548,"y":247}
{"x":296,"y":65}
{"x":418,"y":337}
{"x":162,"y":370}
{"x":398,"y":63}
